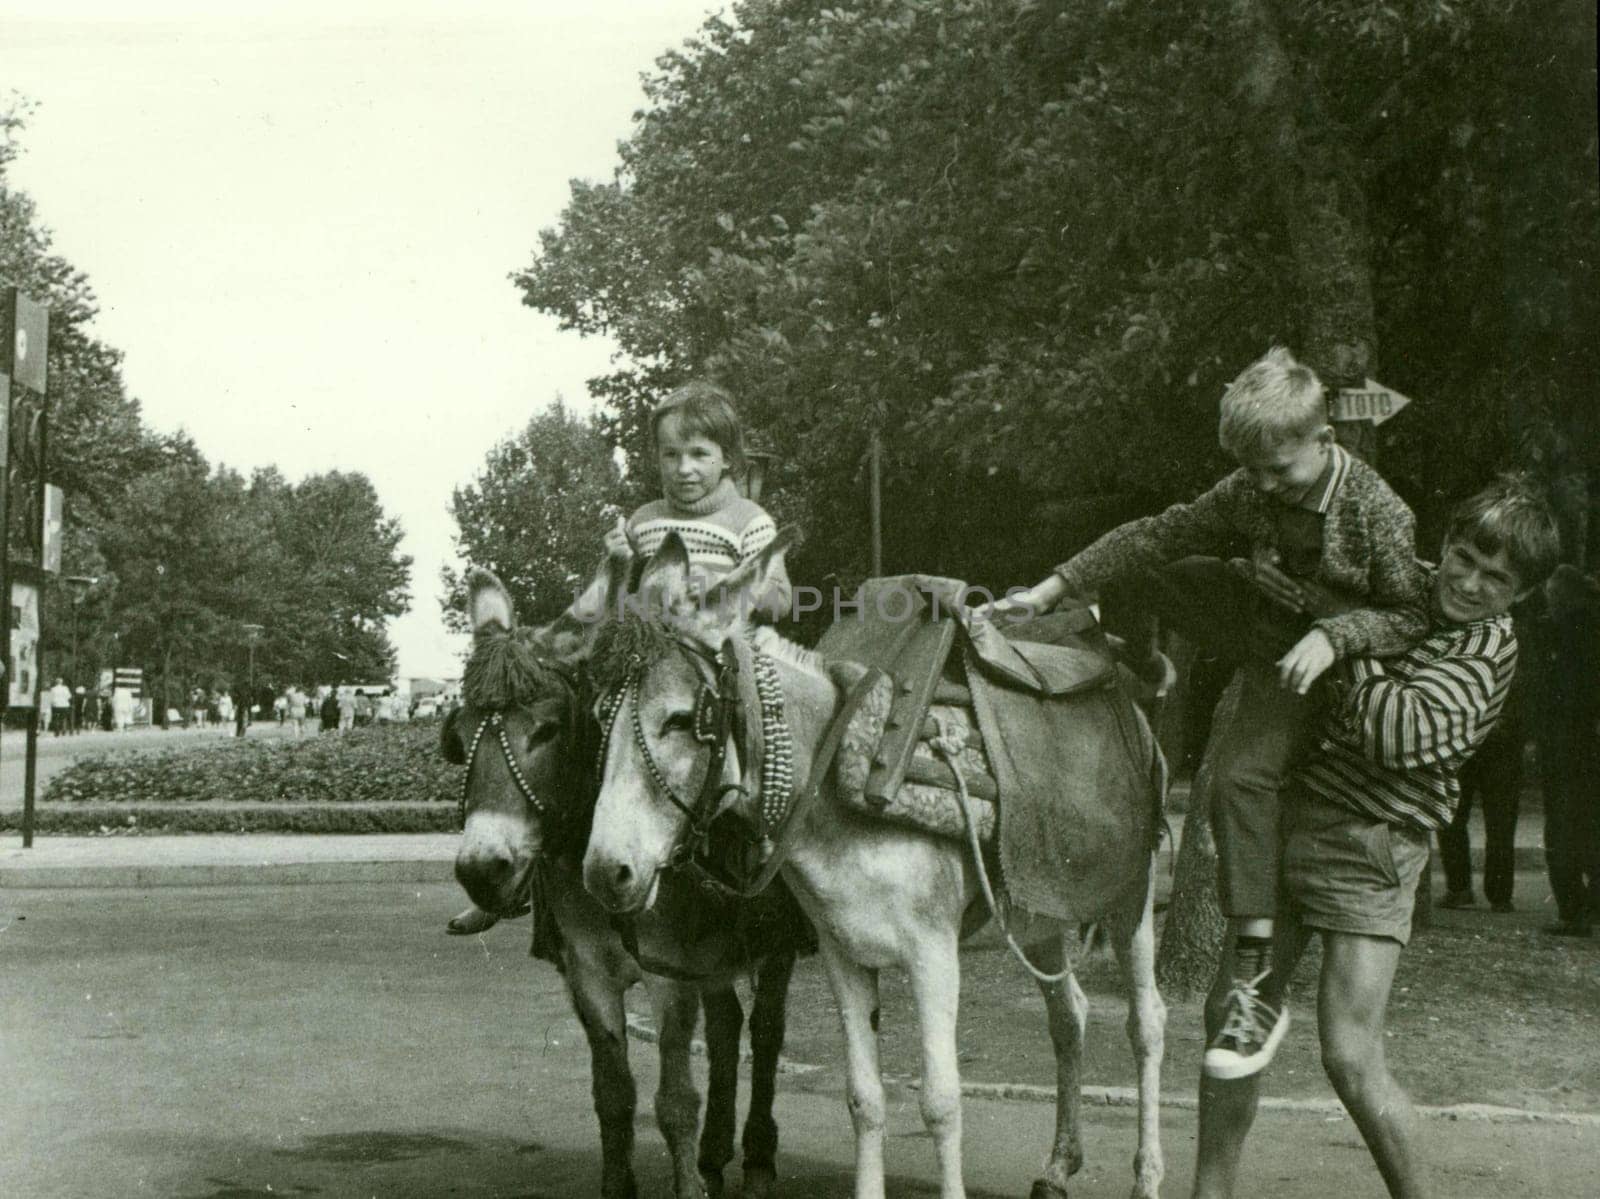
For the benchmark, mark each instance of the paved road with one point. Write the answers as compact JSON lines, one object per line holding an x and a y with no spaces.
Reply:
{"x":244,"y":1042}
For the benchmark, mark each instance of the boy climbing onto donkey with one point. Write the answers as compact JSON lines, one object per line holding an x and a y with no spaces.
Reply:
{"x":1359,"y":812}
{"x":1330,"y":573}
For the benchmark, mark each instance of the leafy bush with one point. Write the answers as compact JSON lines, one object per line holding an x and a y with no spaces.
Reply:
{"x":89,"y":820}
{"x":381,"y":764}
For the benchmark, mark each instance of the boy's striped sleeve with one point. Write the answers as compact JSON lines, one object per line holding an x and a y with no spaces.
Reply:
{"x":1436,"y":716}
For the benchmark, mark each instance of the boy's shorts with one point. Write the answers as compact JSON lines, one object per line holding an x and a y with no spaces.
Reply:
{"x":1345,"y":872}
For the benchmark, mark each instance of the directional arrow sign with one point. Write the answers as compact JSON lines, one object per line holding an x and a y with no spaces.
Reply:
{"x":1374,"y":402}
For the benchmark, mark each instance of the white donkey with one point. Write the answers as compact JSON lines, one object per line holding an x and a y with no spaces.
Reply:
{"x":879,"y":895}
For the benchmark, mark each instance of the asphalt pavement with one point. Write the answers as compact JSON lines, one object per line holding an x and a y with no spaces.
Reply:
{"x":240,"y":1042}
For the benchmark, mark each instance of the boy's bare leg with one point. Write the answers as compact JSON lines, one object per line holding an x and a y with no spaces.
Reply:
{"x":1228,"y":1108}
{"x":1357,"y":972}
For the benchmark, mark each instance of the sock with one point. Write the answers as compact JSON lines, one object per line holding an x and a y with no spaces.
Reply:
{"x":1252,"y":956}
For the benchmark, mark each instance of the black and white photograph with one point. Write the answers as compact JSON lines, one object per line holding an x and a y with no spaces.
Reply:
{"x":799,"y":599}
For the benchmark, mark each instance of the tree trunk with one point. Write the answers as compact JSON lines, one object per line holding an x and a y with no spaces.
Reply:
{"x":1191,"y":940}
{"x":1320,"y":192}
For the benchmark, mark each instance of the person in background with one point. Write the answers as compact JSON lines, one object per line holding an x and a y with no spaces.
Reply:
{"x":60,"y":708}
{"x":121,"y":708}
{"x":296,"y":709}
{"x":347,"y":709}
{"x":328,"y":711}
{"x":1491,"y":780}
{"x":1565,"y":702}
{"x":79,"y":698}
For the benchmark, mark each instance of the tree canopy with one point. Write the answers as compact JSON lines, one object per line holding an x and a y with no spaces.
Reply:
{"x":1031,"y":241}
{"x":535,"y":514}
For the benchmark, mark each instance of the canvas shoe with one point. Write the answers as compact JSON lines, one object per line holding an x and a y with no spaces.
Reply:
{"x":1251,"y":1032}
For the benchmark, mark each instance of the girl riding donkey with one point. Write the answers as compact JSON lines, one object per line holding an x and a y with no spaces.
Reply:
{"x":699,"y":446}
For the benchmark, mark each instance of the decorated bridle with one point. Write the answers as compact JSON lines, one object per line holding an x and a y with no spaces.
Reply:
{"x":496,"y":721}
{"x":762,"y":740}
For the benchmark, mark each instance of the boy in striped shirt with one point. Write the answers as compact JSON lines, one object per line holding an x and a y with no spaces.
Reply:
{"x":1358,"y":815}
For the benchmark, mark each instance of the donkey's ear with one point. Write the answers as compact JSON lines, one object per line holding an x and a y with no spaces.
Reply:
{"x":752,"y":576}
{"x":489,"y":606}
{"x":666,"y":575}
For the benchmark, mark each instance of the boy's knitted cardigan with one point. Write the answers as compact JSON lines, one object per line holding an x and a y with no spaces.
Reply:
{"x":1368,"y":552}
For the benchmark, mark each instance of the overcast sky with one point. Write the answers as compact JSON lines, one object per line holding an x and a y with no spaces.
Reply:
{"x":299,"y":219}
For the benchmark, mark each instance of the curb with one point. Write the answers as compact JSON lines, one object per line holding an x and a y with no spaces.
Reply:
{"x":1099,"y":1096}
{"x":231,"y":874}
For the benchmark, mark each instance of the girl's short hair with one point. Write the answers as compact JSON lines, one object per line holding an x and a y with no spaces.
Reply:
{"x":1511,"y":515}
{"x":1274,"y":399}
{"x":704,"y":410}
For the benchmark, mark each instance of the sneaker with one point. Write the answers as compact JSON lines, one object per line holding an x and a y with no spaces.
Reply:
{"x":1251,"y":1032}
{"x":1457,"y":899}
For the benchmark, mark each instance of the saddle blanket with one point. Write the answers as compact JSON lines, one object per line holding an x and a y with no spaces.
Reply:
{"x":1064,"y":762}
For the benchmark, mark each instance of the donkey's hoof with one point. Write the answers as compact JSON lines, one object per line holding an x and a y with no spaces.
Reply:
{"x":712,"y":1181}
{"x":1043,"y":1188}
{"x":759,"y":1182}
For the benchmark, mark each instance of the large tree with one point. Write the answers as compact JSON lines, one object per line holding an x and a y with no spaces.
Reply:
{"x":1030,"y":242}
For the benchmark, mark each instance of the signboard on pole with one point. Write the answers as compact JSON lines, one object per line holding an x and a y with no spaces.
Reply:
{"x":50,"y":535}
{"x":24,"y":330}
{"x":23,"y":669}
{"x":1374,"y":402}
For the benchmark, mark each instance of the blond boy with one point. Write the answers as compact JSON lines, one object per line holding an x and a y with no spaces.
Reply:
{"x":1301,"y":557}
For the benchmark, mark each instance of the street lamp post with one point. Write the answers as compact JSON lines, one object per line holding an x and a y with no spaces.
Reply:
{"x":759,"y":456}
{"x":80,"y":585}
{"x":251,"y":633}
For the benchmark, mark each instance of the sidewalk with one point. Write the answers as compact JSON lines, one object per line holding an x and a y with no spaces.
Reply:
{"x":226,"y":860}
{"x":234,"y":859}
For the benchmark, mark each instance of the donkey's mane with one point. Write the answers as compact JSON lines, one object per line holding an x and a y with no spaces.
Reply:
{"x":769,"y":641}
{"x":628,"y":642}
{"x":509,"y":670}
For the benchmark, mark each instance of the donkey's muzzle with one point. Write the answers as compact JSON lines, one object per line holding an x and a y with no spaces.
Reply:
{"x":617,"y":885}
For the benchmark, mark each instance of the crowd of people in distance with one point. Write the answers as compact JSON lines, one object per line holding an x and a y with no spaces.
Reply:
{"x":66,"y":710}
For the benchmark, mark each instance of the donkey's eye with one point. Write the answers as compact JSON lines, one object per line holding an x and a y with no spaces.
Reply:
{"x":678,"y":722}
{"x":541,"y":733}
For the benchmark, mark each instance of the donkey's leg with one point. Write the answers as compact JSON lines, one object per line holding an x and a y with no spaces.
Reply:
{"x":597,"y":999}
{"x":855,"y":991}
{"x":1133,"y":939}
{"x":677,"y":1010}
{"x":767,"y":1017}
{"x":724,"y":1025}
{"x":936,"y":984}
{"x":1067,"y":1010}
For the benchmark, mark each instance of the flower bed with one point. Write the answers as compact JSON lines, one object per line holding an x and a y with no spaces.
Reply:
{"x":382,"y":764}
